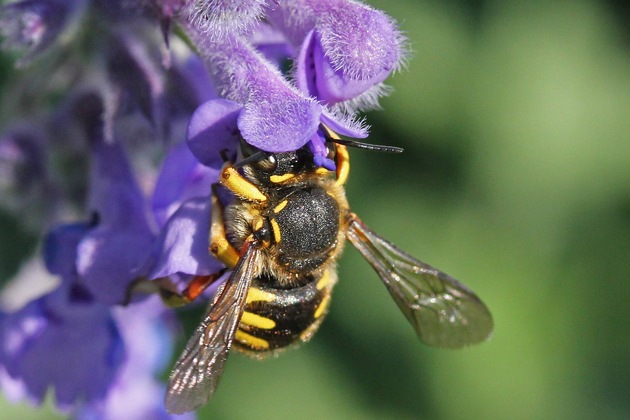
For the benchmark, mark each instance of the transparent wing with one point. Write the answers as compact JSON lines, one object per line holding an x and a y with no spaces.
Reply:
{"x":196,"y":374}
{"x":444,"y":312}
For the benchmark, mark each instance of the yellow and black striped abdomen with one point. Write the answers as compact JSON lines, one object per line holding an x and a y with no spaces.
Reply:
{"x":275,"y":319}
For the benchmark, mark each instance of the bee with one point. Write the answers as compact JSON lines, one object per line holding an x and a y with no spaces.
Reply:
{"x":281,"y":236}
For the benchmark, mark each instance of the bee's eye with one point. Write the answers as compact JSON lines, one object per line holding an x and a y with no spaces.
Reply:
{"x":268,"y":164}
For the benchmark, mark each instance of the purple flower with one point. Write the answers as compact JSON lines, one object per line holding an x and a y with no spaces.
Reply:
{"x":346,"y":48}
{"x":44,"y":345}
{"x":34,"y":25}
{"x":114,"y":252}
{"x":125,"y":142}
{"x":145,"y":328}
{"x":217,"y":18}
{"x":182,"y":177}
{"x":261,"y":107}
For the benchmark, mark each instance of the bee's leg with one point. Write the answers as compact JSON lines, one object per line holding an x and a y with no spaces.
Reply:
{"x":198,"y":283}
{"x":167,"y":290}
{"x":195,"y":288}
{"x":343,"y":164}
{"x":220,"y":247}
{"x":239,"y":186}
{"x":342,"y":158}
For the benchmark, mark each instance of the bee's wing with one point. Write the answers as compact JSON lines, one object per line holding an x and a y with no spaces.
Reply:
{"x":196,"y":374}
{"x":444,"y":312}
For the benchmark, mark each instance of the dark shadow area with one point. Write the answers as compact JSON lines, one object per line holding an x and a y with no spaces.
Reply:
{"x":598,"y":264}
{"x":440,"y":169}
{"x":379,"y":368}
{"x":15,"y":246}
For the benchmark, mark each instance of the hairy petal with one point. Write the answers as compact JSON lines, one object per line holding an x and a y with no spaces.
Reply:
{"x":218,"y":18}
{"x":361,"y":42}
{"x":346,"y":47}
{"x":344,"y":124}
{"x":275,"y":116}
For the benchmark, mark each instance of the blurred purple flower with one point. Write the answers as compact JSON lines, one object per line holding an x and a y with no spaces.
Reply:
{"x":45,"y":345}
{"x":145,"y":329}
{"x":34,"y":25}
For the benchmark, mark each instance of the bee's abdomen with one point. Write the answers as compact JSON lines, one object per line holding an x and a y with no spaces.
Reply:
{"x":274,"y":319}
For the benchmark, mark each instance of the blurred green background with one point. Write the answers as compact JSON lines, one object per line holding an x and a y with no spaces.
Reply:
{"x":515,"y":119}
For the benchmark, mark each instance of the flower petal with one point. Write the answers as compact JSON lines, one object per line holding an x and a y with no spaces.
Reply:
{"x":146,"y":330}
{"x":217,"y":18}
{"x":360,"y":42}
{"x":213,"y":129}
{"x":113,"y":254}
{"x":346,"y":47}
{"x":60,"y":248}
{"x":183,"y":245}
{"x":115,"y":194}
{"x":45,"y":345}
{"x":109,"y":259}
{"x":344,"y":125}
{"x":182,"y":177}
{"x":304,"y":66}
{"x":279,"y":123}
{"x":276,"y":117}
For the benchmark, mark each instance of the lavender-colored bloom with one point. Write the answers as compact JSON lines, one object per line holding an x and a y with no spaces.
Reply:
{"x":34,"y":25}
{"x":274,"y":115}
{"x":154,"y":122}
{"x":64,"y":317}
{"x":113,"y":253}
{"x":145,"y":328}
{"x":183,"y":245}
{"x":44,"y":345}
{"x":347,"y":48}
{"x":182,"y":177}
{"x":270,"y":114}
{"x":213,"y":132}
{"x":217,"y":18}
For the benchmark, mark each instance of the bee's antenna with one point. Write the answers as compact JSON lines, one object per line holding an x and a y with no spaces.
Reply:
{"x":253,"y":158}
{"x":368,"y":146}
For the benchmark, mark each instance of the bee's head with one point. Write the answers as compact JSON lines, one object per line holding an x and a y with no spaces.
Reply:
{"x":279,"y":166}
